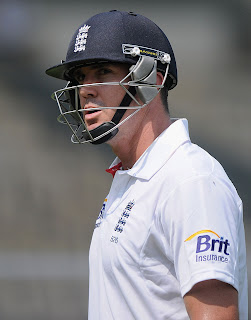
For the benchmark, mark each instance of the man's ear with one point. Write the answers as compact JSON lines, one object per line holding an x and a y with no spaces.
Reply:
{"x":160,"y":78}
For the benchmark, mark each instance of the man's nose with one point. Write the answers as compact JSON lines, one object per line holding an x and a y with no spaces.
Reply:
{"x":88,"y":91}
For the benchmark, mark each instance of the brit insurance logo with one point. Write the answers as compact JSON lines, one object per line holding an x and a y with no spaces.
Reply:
{"x":81,"y":38}
{"x":210,"y":246}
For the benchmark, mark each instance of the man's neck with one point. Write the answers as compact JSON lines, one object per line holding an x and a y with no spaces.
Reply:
{"x":129,"y":148}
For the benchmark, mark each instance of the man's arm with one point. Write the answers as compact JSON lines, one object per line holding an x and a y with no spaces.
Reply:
{"x":212,"y":300}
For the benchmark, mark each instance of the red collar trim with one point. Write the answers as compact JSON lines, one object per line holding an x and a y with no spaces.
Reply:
{"x":114,"y":169}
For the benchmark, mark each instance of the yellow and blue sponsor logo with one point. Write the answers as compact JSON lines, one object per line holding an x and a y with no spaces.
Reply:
{"x":210,"y":246}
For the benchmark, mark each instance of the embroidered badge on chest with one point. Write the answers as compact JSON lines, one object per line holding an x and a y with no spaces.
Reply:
{"x":81,"y":38}
{"x":101,"y":215}
{"x":124,"y":216}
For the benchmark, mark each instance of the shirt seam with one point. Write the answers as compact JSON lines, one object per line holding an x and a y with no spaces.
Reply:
{"x":192,"y":281}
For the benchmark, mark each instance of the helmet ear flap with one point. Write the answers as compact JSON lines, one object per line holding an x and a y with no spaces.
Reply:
{"x":145,"y":73}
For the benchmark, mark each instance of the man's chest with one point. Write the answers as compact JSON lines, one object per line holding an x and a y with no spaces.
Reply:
{"x":121,"y":232}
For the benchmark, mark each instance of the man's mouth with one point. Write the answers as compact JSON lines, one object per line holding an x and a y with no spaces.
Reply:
{"x":91,"y":108}
{"x":91,"y":111}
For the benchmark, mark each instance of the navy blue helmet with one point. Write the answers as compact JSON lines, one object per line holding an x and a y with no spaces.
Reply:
{"x":119,"y":37}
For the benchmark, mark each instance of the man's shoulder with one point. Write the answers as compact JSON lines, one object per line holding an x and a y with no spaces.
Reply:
{"x":190,"y":162}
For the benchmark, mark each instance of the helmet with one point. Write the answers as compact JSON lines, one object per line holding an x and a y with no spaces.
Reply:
{"x":119,"y":37}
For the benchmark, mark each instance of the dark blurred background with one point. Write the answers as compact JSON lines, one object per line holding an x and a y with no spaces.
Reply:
{"x":51,"y":191}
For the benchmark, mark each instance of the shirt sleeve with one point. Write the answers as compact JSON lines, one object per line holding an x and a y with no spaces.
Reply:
{"x":201,"y":221}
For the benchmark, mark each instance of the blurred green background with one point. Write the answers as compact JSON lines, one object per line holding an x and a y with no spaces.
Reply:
{"x":51,"y":191}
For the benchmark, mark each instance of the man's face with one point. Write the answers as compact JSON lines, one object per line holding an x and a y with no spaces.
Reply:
{"x":100,"y":96}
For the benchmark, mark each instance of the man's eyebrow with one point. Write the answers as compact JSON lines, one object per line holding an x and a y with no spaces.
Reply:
{"x":96,"y":66}
{"x":93,"y":67}
{"x":101,"y":65}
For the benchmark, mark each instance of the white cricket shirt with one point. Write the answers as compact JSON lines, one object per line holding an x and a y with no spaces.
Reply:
{"x":171,"y":221}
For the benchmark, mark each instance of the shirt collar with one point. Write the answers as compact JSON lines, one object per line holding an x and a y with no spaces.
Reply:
{"x":160,"y":151}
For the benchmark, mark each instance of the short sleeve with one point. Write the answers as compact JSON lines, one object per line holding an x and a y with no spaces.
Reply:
{"x":201,"y":220}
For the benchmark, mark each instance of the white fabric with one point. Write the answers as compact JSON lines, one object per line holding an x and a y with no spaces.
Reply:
{"x":176,"y":200}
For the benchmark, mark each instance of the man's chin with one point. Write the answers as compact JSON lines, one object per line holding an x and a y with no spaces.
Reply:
{"x":92,"y":126}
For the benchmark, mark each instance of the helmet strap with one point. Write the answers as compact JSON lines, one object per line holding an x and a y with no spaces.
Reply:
{"x":124,"y":103}
{"x":104,"y":127}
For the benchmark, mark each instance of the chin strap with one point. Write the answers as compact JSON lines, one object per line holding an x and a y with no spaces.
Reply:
{"x":106,"y":126}
{"x":124,"y":103}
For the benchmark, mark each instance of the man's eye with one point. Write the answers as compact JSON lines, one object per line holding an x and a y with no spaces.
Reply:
{"x":80,"y":77}
{"x":104,"y":71}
